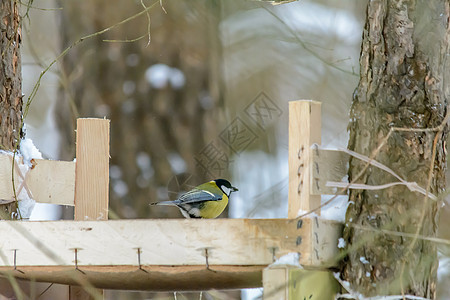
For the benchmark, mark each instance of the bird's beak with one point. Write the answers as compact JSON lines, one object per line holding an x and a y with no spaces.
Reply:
{"x":234,"y":189}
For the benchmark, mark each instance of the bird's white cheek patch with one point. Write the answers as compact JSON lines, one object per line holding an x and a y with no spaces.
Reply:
{"x":226,"y":190}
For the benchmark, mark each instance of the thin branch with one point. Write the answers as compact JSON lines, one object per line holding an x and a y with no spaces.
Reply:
{"x":149,"y":22}
{"x":162,"y":7}
{"x":366,"y":166}
{"x":28,"y":6}
{"x":127,"y":40}
{"x":412,"y":186}
{"x":66,"y":50}
{"x":403,"y":234}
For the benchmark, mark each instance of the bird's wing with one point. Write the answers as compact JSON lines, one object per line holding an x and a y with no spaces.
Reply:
{"x":197,"y":195}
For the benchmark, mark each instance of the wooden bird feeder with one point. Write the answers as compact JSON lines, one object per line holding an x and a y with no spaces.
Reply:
{"x":170,"y":255}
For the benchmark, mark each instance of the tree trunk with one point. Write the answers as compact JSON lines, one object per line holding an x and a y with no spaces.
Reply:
{"x":10,"y":85}
{"x":403,"y":84}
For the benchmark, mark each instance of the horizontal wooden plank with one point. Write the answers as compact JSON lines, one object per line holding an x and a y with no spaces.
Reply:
{"x":162,"y":242}
{"x":48,"y":181}
{"x":151,"y":278}
{"x":328,"y":165}
{"x":324,"y":236}
{"x":53,"y":181}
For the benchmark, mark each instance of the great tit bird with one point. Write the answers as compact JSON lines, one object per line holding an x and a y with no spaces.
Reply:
{"x":206,"y":201}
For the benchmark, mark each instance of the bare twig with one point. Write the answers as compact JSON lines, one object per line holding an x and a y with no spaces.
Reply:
{"x":162,"y":6}
{"x":66,"y":50}
{"x":29,"y":6}
{"x":149,"y":22}
{"x":412,"y":186}
{"x":403,"y":234}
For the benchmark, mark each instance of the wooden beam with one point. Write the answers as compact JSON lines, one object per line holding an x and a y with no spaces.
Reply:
{"x":150,"y":278}
{"x":48,"y":181}
{"x":53,"y":182}
{"x":171,"y":252}
{"x":304,"y":130}
{"x":292,"y":283}
{"x":166,"y":242}
{"x":91,"y":186}
{"x":92,"y":170}
{"x":324,"y":237}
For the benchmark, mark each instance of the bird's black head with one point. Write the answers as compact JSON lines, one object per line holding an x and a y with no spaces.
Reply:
{"x":225,"y":186}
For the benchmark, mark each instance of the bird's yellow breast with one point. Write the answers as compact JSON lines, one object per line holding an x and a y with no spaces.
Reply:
{"x":212,"y":209}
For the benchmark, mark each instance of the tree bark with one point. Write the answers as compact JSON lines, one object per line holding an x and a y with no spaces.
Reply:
{"x":404,"y":83}
{"x":10,"y":85}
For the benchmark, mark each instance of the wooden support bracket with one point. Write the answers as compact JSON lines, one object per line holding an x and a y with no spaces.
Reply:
{"x":294,"y":283}
{"x":304,"y":130}
{"x":308,"y":174}
{"x":92,"y":170}
{"x":49,"y":181}
{"x":328,"y":165}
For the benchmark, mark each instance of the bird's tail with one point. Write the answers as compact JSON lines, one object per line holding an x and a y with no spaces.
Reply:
{"x":168,"y":203}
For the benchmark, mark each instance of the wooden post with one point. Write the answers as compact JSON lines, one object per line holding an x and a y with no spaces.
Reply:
{"x":304,"y":130}
{"x":91,"y":182}
{"x":292,"y":283}
{"x":283,"y":282}
{"x":92,"y":170}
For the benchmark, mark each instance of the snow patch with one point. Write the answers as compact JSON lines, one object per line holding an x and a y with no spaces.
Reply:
{"x":23,"y":165}
{"x":341,"y":243}
{"x":252,"y":294}
{"x":363,"y":260}
{"x":120,"y":188}
{"x":290,"y":259}
{"x":29,"y":151}
{"x":177,"y":163}
{"x":335,"y":210}
{"x":160,"y":75}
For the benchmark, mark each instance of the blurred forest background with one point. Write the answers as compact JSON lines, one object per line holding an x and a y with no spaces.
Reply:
{"x":206,"y":97}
